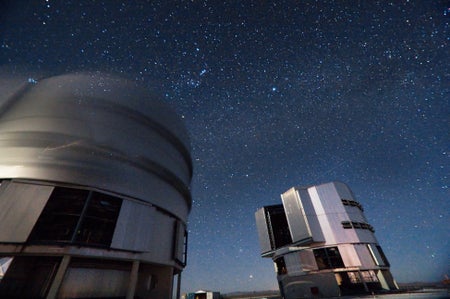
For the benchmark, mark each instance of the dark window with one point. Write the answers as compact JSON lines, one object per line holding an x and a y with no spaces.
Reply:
{"x":77,"y":216}
{"x":356,"y":224}
{"x":385,"y":260}
{"x":60,"y":216}
{"x":359,"y":225}
{"x":180,"y":243}
{"x":98,"y":224}
{"x":281,"y":266}
{"x":346,"y":224}
{"x":29,"y":277}
{"x":353,"y":203}
{"x":278,"y":226}
{"x":328,"y":258}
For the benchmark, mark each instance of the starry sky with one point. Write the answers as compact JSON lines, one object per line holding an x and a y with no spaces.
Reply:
{"x":275,"y":94}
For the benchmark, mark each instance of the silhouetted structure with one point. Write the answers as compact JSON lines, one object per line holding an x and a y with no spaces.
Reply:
{"x":321,"y":244}
{"x":94,"y":193}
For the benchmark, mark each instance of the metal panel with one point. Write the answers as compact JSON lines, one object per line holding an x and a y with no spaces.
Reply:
{"x":329,"y":197}
{"x":293,"y":263}
{"x":364,"y":255}
{"x":343,"y":190}
{"x":135,"y":227}
{"x":161,"y":248}
{"x":376,"y":255}
{"x":311,"y":216}
{"x":365,"y":236}
{"x":322,"y":216}
{"x":97,"y":131}
{"x":355,"y":214}
{"x":296,"y":217}
{"x":20,"y":207}
{"x":349,"y":255}
{"x":308,"y":260}
{"x":91,"y":282}
{"x":263,"y":232}
{"x":180,"y":245}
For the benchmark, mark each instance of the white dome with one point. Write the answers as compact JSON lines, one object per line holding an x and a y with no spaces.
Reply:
{"x":99,"y":131}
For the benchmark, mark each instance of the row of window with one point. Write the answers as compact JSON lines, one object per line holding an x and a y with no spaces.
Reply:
{"x":358,"y":225}
{"x":83,"y":217}
{"x":77,"y":216}
{"x":326,"y":258}
{"x":366,"y":276}
{"x":330,"y":258}
{"x":353,"y":203}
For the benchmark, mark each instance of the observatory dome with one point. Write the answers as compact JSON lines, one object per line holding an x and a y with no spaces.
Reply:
{"x":98,"y":131}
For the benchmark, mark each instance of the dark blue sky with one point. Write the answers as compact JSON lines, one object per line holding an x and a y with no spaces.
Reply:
{"x":276,"y":94}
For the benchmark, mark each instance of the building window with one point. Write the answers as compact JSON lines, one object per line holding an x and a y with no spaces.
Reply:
{"x":280,"y":266}
{"x":99,"y":221}
{"x":60,"y":216}
{"x":180,"y":243}
{"x":328,"y":258}
{"x":347,"y":224}
{"x":352,"y":203}
{"x":354,"y":277}
{"x":383,"y":257}
{"x":366,"y":276}
{"x":357,"y":225}
{"x":369,"y":276}
{"x":77,"y":216}
{"x":277,"y":224}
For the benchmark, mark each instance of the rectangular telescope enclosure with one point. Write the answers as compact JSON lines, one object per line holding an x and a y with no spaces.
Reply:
{"x":322,"y":245}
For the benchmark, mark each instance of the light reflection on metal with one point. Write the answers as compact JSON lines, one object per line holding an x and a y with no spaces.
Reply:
{"x":78,"y":128}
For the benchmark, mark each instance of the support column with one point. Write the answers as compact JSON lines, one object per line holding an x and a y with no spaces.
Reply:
{"x":58,"y":277}
{"x":133,"y":280}
{"x":178,"y":285}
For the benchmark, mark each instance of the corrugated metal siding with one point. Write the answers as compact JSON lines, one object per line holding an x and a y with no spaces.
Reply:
{"x":20,"y":207}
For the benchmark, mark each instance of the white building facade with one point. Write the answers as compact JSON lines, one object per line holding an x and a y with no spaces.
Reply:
{"x":322,"y":244}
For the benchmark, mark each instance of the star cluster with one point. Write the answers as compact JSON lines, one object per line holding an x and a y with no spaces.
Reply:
{"x":276,"y":94}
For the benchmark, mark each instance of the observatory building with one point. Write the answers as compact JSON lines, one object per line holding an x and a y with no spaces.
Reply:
{"x":95,"y":190}
{"x":321,"y":244}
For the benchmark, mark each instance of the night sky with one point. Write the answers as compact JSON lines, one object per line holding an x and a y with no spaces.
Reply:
{"x":275,"y":94}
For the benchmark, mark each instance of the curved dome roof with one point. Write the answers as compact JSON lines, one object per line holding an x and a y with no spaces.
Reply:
{"x":99,"y":131}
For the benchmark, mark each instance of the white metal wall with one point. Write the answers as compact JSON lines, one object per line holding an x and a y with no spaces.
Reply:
{"x":135,"y":227}
{"x":20,"y":207}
